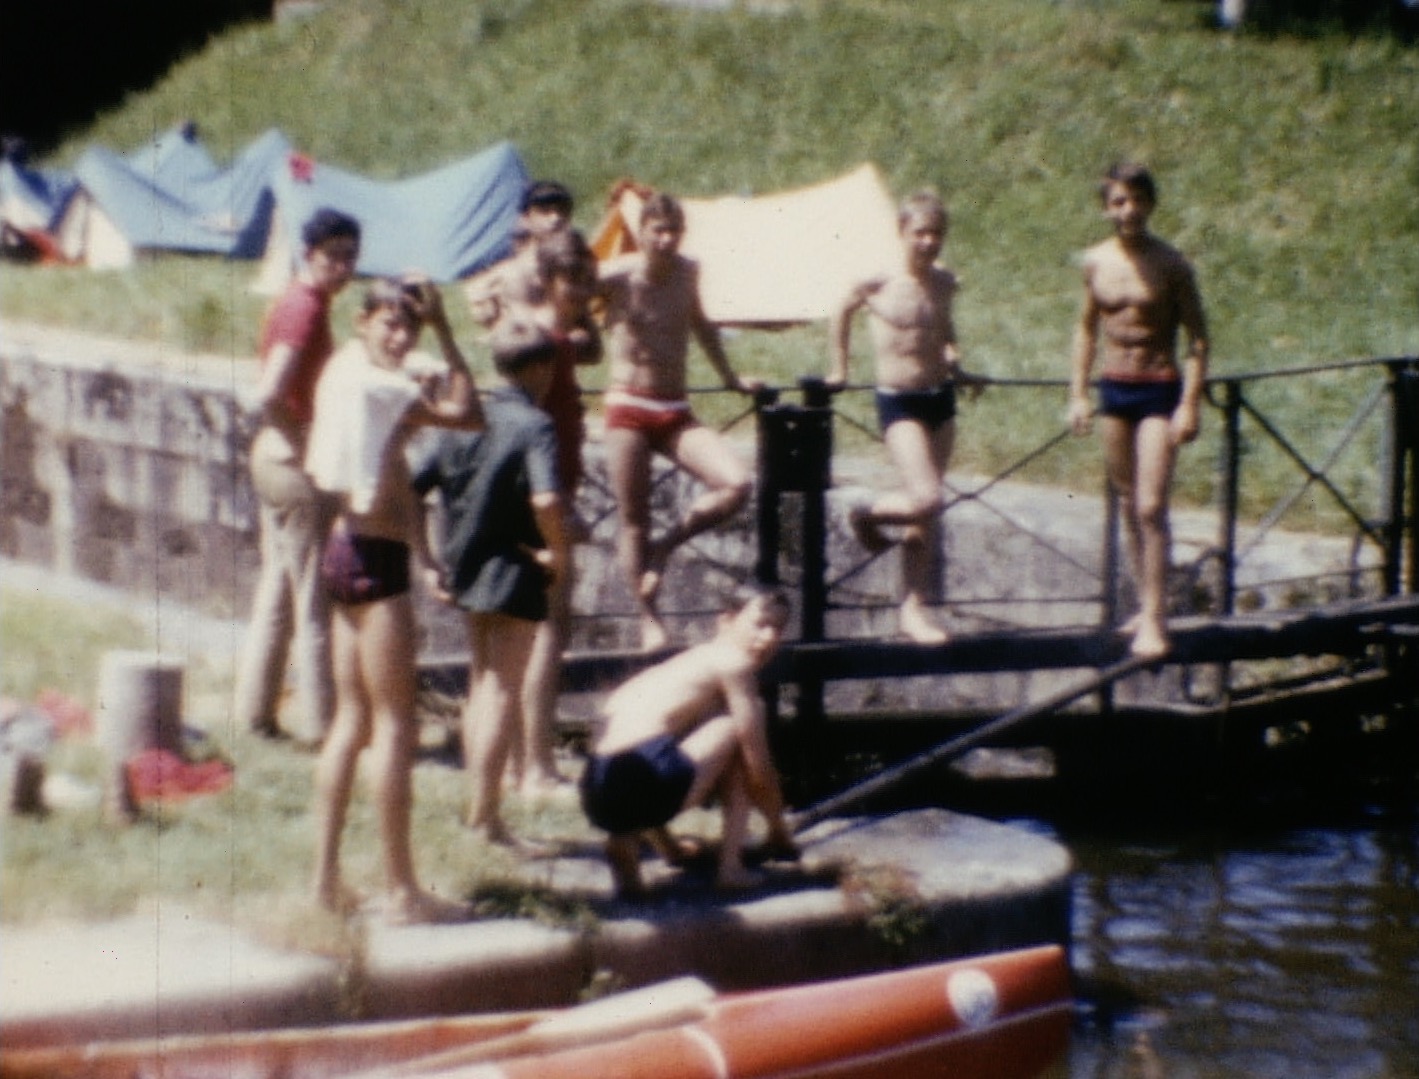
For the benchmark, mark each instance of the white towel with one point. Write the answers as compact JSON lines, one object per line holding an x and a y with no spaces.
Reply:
{"x":357,"y":408}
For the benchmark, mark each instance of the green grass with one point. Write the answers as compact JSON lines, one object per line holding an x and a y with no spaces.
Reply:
{"x":243,"y":855}
{"x":1288,"y":166}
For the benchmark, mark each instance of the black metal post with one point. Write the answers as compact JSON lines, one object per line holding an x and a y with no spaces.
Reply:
{"x":1230,"y":468}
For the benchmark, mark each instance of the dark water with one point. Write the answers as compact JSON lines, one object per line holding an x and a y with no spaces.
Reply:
{"x":1287,"y":950}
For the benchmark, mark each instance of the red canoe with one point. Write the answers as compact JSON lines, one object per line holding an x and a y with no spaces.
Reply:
{"x":1003,"y":1016}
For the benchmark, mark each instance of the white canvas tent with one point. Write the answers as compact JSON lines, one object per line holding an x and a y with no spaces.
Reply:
{"x":786,"y":257}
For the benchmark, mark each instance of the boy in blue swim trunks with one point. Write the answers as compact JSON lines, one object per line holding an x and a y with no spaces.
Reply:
{"x":918,"y":368}
{"x":683,"y":730}
{"x":1139,"y":293}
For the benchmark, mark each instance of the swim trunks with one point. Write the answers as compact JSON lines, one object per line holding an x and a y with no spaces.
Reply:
{"x":1136,"y":401}
{"x":930,"y":408}
{"x":660,"y":421}
{"x":639,"y":788}
{"x":363,"y":569}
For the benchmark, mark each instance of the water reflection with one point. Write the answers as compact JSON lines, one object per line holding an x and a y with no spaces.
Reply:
{"x":1288,"y":954}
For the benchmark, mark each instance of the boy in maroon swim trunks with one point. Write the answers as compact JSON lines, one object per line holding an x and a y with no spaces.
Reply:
{"x":683,"y":730}
{"x":366,"y":408}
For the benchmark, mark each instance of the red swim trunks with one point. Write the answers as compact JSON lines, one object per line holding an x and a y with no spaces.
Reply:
{"x":660,"y":421}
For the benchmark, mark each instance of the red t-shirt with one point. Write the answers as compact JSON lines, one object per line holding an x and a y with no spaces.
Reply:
{"x":300,"y":318}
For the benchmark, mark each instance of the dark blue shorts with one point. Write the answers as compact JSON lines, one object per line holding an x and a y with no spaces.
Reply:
{"x":638,"y":788}
{"x":363,"y":569}
{"x":1135,"y":401}
{"x":930,"y":408}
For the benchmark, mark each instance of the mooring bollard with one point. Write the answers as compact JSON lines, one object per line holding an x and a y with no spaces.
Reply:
{"x":140,"y":708}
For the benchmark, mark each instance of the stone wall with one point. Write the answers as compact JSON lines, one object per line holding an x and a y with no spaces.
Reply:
{"x":127,"y":465}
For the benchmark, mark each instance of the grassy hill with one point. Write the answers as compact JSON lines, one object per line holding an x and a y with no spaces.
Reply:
{"x":1289,"y":166}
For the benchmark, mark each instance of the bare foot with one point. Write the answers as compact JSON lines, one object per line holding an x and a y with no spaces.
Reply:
{"x":338,"y":898}
{"x":623,"y":856}
{"x":676,"y":850}
{"x":872,"y":538}
{"x":653,"y":574}
{"x":545,"y":786}
{"x":1151,"y":641}
{"x":919,"y":628}
{"x":1130,"y":625}
{"x":422,"y":908}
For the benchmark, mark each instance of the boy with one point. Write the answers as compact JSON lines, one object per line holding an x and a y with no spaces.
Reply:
{"x":683,"y":730}
{"x":918,"y":367}
{"x":505,"y":541}
{"x":1138,"y":293}
{"x":367,"y":406}
{"x":296,"y":342}
{"x":545,"y":210}
{"x":652,"y":308}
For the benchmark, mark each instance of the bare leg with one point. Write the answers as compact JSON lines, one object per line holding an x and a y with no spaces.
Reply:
{"x":501,"y":646}
{"x":731,"y":873}
{"x":623,"y":856}
{"x":628,"y":457}
{"x":1119,"y":439}
{"x":921,"y":457}
{"x":707,"y":455}
{"x":335,"y":768}
{"x":539,"y":690}
{"x":1155,"y":457}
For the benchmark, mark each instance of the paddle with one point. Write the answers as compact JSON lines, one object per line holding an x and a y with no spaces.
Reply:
{"x":652,"y":1007}
{"x":964,"y":743}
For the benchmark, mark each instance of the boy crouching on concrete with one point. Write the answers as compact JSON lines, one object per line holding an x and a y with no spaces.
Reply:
{"x":683,"y":730}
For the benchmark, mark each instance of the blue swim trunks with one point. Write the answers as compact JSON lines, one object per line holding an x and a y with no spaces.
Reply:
{"x":931,"y":408}
{"x":1135,"y":401}
{"x":639,"y":788}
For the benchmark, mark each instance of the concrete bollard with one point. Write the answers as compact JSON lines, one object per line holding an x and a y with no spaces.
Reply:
{"x":140,"y":707}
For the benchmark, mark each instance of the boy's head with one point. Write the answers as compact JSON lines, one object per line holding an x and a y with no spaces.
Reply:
{"x":567,"y":265}
{"x":924,"y":206}
{"x":662,"y":225}
{"x":390,"y":318}
{"x":521,"y":348}
{"x":754,"y":615}
{"x":1131,"y":175}
{"x":546,"y":207}
{"x":332,"y":248}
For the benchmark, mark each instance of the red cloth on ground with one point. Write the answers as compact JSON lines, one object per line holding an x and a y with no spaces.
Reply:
{"x":160,"y":775}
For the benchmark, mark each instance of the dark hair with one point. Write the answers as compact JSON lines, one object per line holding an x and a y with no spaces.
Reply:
{"x":567,"y":253}
{"x":924,"y":201}
{"x":547,"y":193}
{"x":1132,"y":175}
{"x":518,"y":343}
{"x":391,"y":292}
{"x":327,"y":224}
{"x":744,"y":593}
{"x":663,"y":207}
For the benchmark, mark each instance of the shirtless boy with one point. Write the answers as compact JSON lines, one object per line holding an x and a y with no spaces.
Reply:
{"x":652,"y":308}
{"x":367,"y":406}
{"x":546,"y":209}
{"x":1138,"y":293}
{"x":683,"y":730}
{"x":918,"y":367}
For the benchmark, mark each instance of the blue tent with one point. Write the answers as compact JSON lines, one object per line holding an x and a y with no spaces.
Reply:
{"x":172,"y":196}
{"x":33,"y":198}
{"x":447,"y":223}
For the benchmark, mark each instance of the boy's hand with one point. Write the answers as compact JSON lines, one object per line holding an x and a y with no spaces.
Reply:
{"x":748,"y":384}
{"x":545,"y":559}
{"x":1184,"y":424}
{"x":436,"y":585}
{"x":973,"y":385}
{"x":1081,"y":415}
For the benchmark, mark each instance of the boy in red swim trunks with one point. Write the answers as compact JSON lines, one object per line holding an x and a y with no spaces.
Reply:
{"x":652,"y":300}
{"x":366,"y":408}
{"x":1138,"y":294}
{"x":683,"y":730}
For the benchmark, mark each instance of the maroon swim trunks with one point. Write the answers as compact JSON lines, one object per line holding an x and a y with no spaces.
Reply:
{"x":363,"y":569}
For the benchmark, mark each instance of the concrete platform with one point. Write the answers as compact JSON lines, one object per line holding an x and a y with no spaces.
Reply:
{"x":869,"y":894}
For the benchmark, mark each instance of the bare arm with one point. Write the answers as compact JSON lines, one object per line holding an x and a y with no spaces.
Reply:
{"x":1187,"y":418}
{"x":1086,"y":344}
{"x":275,"y":374}
{"x":707,"y":334}
{"x":840,"y":332}
{"x":746,"y":711}
{"x":548,"y":512}
{"x":459,"y":406}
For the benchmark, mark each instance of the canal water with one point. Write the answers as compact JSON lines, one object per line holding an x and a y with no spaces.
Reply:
{"x":1277,"y":949}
